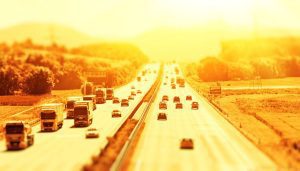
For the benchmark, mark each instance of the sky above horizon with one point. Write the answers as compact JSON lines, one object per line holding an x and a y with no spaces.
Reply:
{"x":126,"y":18}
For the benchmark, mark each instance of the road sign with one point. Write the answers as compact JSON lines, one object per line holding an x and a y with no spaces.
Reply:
{"x":100,"y":78}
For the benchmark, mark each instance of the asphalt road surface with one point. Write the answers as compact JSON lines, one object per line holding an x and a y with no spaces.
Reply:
{"x":217,"y":144}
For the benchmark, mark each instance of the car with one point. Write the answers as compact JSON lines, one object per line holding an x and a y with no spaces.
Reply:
{"x":173,"y":86}
{"x":188,"y":97}
{"x":92,"y":133}
{"x":187,"y":143}
{"x":116,"y":114}
{"x":195,"y":105}
{"x":133,"y":93}
{"x":165,"y":83}
{"x":165,"y":98}
{"x":172,"y":80}
{"x":130,"y":97}
{"x":162,"y":116}
{"x":163,"y":105}
{"x":182,"y":85}
{"x":178,"y":105}
{"x":132,"y":87}
{"x":176,"y":99}
{"x":116,"y":100}
{"x":124,"y":102}
{"x":139,"y":92}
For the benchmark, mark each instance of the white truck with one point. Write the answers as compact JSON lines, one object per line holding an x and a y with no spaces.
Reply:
{"x":51,"y":116}
{"x":70,"y":105}
{"x":83,"y":113}
{"x":18,"y":135}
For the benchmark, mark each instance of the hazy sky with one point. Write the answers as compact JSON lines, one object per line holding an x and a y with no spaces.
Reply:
{"x":125,"y":18}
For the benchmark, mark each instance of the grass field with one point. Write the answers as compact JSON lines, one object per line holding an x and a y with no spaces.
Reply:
{"x":268,"y":116}
{"x":10,"y":105}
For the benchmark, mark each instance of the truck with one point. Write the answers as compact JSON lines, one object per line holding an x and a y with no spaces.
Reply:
{"x":51,"y":116}
{"x":91,"y":98}
{"x":70,"y":105}
{"x":180,"y":81}
{"x":18,"y":135}
{"x":109,"y":93}
{"x":87,"y":88}
{"x":83,"y":113}
{"x":100,"y":96}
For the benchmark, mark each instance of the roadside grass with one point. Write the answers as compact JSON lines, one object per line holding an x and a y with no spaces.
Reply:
{"x":269,"y":117}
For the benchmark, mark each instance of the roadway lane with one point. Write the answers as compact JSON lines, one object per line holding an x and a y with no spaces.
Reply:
{"x":217,"y":144}
{"x":68,"y":149}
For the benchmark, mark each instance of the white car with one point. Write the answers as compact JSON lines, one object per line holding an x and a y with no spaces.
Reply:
{"x":92,"y":133}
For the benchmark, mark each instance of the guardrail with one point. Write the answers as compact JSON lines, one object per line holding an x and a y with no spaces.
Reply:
{"x":123,"y":155}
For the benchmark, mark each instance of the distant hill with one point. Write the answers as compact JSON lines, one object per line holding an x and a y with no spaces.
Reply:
{"x":178,"y":44}
{"x":199,"y":41}
{"x":250,"y":49}
{"x":45,"y":33}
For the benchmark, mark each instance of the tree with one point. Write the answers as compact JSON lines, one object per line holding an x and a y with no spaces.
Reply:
{"x":9,"y":80}
{"x":39,"y":81}
{"x":69,"y":79}
{"x":212,"y":69}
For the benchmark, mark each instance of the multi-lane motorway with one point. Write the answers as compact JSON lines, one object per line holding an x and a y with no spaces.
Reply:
{"x":217,"y":144}
{"x":68,"y":149}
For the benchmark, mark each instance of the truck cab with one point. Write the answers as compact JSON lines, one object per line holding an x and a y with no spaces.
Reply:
{"x":83,"y":113}
{"x":18,"y":135}
{"x":70,"y":105}
{"x":51,"y":116}
{"x":91,"y":98}
{"x":109,"y":93}
{"x":100,"y":96}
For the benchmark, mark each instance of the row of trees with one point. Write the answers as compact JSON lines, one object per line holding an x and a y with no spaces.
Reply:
{"x":216,"y":69}
{"x":37,"y":72}
{"x":36,"y":80}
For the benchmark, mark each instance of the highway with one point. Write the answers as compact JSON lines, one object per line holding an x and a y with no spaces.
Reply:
{"x":67,"y":148}
{"x":217,"y":144}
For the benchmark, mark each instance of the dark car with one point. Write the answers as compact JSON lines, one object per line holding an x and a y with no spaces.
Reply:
{"x":176,"y":99}
{"x":124,"y":102}
{"x":187,"y":143}
{"x":178,"y":105}
{"x":188,"y":98}
{"x":133,"y":93}
{"x":173,"y":86}
{"x":162,"y":116}
{"x":195,"y":105}
{"x":116,"y":100}
{"x":163,"y":105}
{"x":116,"y":114}
{"x":165,"y":98}
{"x":130,"y":97}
